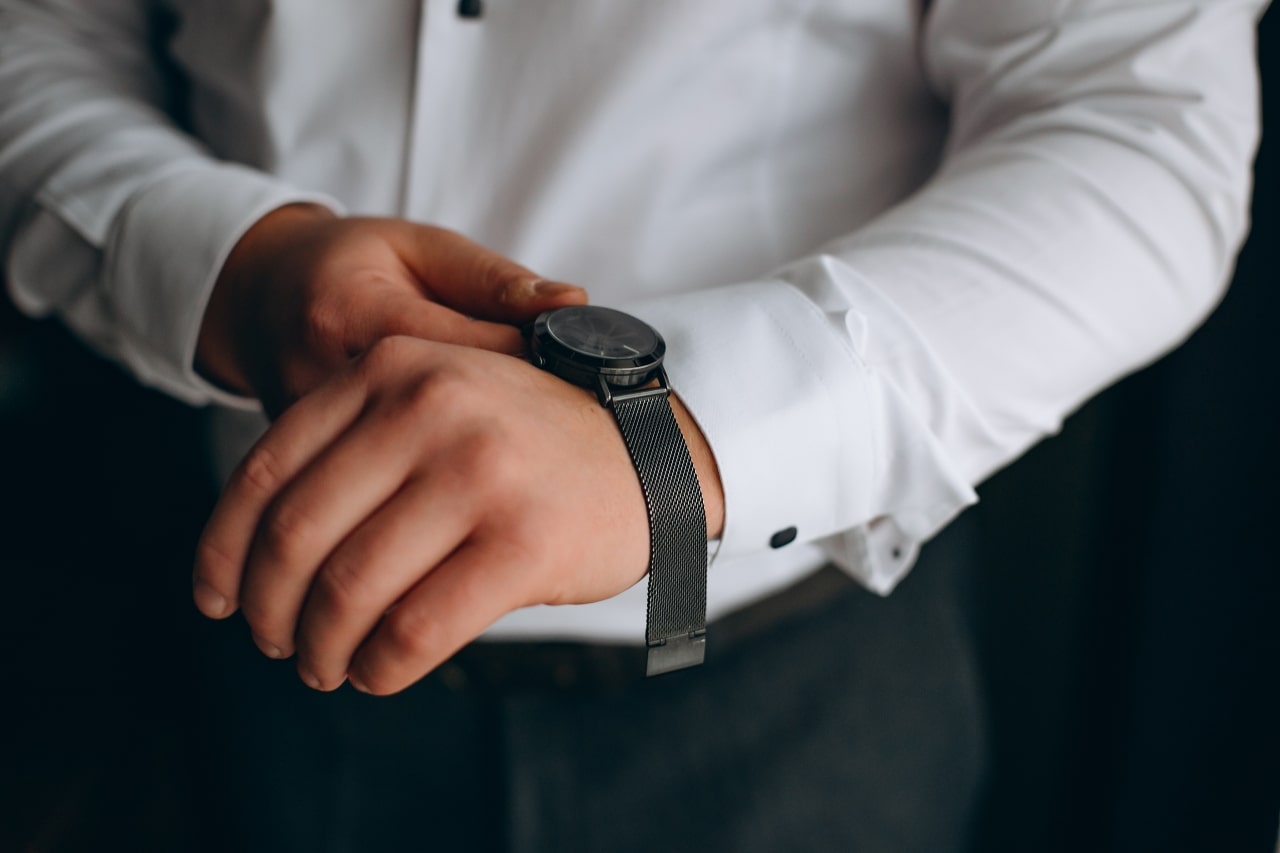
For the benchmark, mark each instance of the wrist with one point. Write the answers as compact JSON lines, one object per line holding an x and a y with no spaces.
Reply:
{"x":619,"y":358}
{"x":223,"y":348}
{"x":704,"y":464}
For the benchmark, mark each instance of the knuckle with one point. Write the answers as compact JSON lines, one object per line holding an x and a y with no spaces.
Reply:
{"x":324,"y":324}
{"x":340,"y":587}
{"x":287,"y":533}
{"x":212,"y":561}
{"x":411,"y":636}
{"x":495,"y":271}
{"x":491,"y":467}
{"x":429,"y":395}
{"x":261,"y":470}
{"x":437,"y":392}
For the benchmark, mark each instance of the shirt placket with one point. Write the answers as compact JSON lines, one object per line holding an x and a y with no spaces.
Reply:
{"x":447,"y":43}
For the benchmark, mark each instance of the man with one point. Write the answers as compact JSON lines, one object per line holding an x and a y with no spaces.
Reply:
{"x":870,"y":304}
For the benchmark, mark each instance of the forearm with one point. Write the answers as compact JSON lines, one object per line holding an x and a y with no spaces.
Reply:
{"x":1084,"y":220}
{"x":1088,"y":212}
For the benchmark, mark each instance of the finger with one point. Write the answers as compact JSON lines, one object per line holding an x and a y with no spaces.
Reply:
{"x":478,"y":282}
{"x":449,"y":608}
{"x":293,"y":440}
{"x":421,"y":318}
{"x":323,"y":504}
{"x":374,"y":567}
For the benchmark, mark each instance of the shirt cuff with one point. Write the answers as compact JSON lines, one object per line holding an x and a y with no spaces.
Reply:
{"x":163,"y":258}
{"x":805,"y":434}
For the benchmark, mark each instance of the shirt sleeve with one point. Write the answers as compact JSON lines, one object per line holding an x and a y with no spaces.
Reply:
{"x":1084,"y":220}
{"x":110,"y":216}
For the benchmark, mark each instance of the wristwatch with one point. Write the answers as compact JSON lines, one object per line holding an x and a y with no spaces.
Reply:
{"x":620,"y":358}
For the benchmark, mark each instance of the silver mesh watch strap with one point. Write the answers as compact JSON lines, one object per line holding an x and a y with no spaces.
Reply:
{"x":676,"y":625}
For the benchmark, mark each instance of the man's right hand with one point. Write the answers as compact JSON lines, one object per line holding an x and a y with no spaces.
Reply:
{"x":304,"y":291}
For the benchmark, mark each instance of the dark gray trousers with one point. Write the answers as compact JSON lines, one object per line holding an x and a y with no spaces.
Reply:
{"x":854,"y":726}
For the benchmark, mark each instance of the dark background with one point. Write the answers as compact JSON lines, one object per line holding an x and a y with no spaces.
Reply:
{"x":1127,"y":605}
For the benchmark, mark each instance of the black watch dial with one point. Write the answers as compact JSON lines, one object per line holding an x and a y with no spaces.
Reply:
{"x":582,"y":342}
{"x":602,"y":332}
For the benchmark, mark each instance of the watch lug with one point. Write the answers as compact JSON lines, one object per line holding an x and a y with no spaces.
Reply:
{"x":603,"y":391}
{"x":663,"y":389}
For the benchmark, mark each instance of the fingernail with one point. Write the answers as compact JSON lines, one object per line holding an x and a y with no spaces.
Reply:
{"x":357,"y":683}
{"x":209,"y":600}
{"x":543,"y":287}
{"x":309,"y":678}
{"x":271,"y":650}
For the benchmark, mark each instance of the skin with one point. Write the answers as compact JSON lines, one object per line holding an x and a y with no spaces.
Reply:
{"x":304,"y":291}
{"x":399,"y":504}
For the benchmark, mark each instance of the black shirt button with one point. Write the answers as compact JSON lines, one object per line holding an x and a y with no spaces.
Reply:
{"x":470,"y":9}
{"x":782,"y":537}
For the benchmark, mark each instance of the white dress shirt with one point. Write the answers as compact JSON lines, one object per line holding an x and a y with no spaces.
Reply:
{"x":888,"y":251}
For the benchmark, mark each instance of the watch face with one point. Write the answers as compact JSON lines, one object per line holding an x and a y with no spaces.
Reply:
{"x":602,"y":333}
{"x":586,"y":344}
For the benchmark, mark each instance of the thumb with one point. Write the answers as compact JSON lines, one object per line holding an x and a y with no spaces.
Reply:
{"x":477,"y":282}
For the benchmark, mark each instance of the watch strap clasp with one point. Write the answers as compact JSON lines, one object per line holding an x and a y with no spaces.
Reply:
{"x":678,"y":652}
